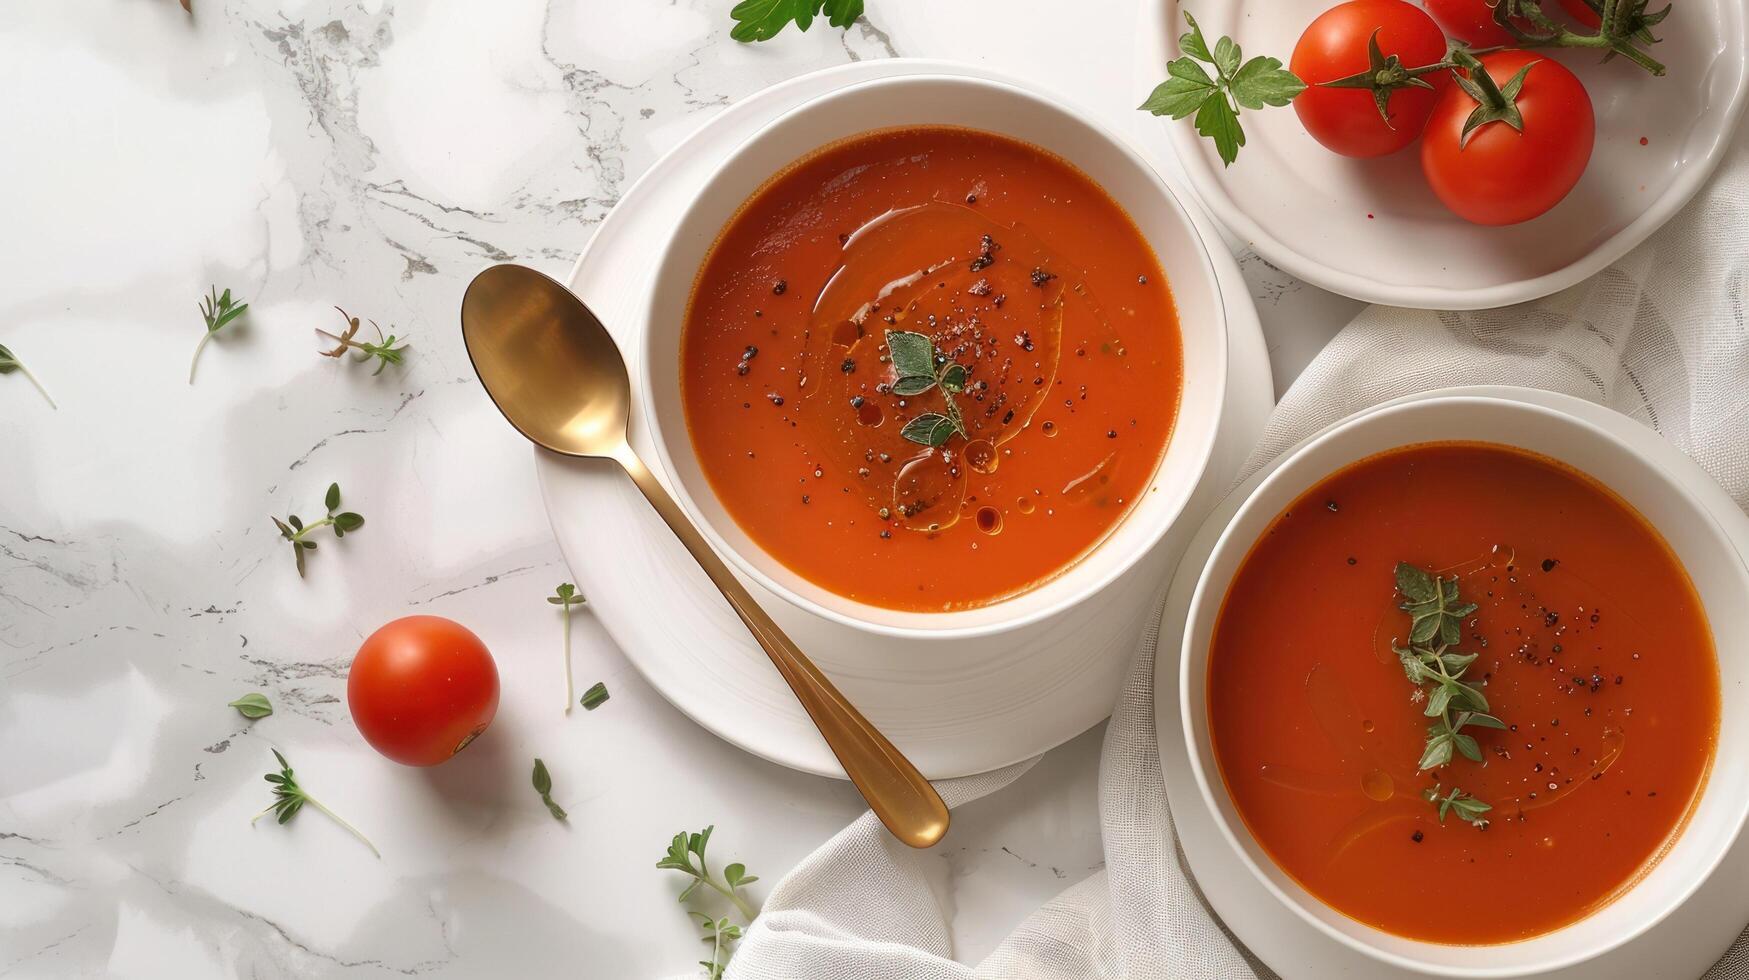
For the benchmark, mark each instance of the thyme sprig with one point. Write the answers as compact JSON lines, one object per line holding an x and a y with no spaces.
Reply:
{"x":722,"y":935}
{"x":384,"y":350}
{"x":293,"y":528}
{"x":217,"y":309}
{"x":1436,"y":614}
{"x":917,"y":369}
{"x":1457,"y":801}
{"x":566,"y":596}
{"x":289,"y":798}
{"x":686,"y":855}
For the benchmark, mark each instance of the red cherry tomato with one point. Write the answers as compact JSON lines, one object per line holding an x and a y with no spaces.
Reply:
{"x":1471,"y":21}
{"x":1582,"y":14}
{"x":1504,"y":176}
{"x":421,"y":689}
{"x":1347,"y":120}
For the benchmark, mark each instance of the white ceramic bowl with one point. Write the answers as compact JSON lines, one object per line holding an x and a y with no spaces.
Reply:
{"x":916,"y":100}
{"x":1372,"y":230}
{"x":1703,"y":547}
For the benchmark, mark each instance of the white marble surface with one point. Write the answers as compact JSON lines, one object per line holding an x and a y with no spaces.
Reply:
{"x":373,"y":155}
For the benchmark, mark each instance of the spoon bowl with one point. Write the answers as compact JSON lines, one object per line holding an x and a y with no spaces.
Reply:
{"x":548,"y":364}
{"x":552,"y":368}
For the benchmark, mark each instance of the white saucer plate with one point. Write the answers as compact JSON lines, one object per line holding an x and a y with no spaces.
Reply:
{"x":1372,"y":230}
{"x":1683,"y":945}
{"x":985,"y":706}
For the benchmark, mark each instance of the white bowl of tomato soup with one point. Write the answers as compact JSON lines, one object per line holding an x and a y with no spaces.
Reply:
{"x":934,"y":356}
{"x":1451,"y":686}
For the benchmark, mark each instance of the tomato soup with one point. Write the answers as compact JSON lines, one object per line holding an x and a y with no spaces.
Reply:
{"x":930,"y":368}
{"x":1591,"y":649}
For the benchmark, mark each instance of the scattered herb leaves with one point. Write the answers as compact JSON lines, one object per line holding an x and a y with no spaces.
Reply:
{"x":762,"y":20}
{"x":217,"y":309}
{"x":1217,"y":101}
{"x":289,"y":798}
{"x":914,"y":373}
{"x":293,"y":529}
{"x":252,"y":706}
{"x":595,"y":696}
{"x":682,"y":851}
{"x":9,"y":363}
{"x":565,"y":596}
{"x":384,"y":350}
{"x":543,"y":784}
{"x":1467,"y":807}
{"x":1436,"y":614}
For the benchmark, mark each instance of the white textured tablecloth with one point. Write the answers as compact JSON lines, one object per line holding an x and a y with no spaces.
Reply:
{"x":1659,"y":336}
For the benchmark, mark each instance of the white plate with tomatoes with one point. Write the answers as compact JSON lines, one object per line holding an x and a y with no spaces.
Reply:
{"x":1560,"y":175}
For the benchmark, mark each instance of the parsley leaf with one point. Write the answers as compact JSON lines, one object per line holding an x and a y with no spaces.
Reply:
{"x":762,"y":20}
{"x":1215,"y":101}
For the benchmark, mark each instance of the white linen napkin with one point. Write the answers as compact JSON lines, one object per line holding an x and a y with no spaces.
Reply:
{"x":1660,"y":336}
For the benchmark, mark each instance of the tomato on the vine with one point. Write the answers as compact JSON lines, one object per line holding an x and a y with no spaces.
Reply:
{"x":1505,"y":174}
{"x":421,"y":688}
{"x":1351,"y":120}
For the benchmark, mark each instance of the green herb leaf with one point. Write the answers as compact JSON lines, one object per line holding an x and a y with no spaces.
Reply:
{"x":913,"y":354}
{"x":953,"y":378}
{"x":216,"y":311}
{"x":913,"y":384}
{"x":1191,"y":42}
{"x":543,"y":784}
{"x":686,"y":854}
{"x":1226,"y":57}
{"x":1186,"y":88}
{"x":1217,"y":120}
{"x":762,"y":20}
{"x":1263,"y":81}
{"x":929,"y":429}
{"x":289,"y":798}
{"x":294,"y":530}
{"x":252,"y":706}
{"x":595,"y":696}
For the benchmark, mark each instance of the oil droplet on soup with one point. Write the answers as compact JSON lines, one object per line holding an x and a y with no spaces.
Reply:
{"x":1040,"y":291}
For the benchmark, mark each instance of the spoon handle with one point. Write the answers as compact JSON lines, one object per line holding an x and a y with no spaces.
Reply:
{"x":896,"y":792}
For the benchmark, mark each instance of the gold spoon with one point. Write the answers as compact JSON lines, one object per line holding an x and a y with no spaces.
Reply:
{"x":555,"y":373}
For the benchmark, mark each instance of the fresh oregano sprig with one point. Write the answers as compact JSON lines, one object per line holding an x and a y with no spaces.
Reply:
{"x":383,"y":351}
{"x":9,"y":363}
{"x":565,"y":596}
{"x":1436,"y":613}
{"x":686,"y":855}
{"x":289,"y":798}
{"x":916,"y":370}
{"x":1216,"y":101}
{"x":217,"y":309}
{"x":293,"y":528}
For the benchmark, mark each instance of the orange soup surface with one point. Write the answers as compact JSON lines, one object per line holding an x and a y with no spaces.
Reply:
{"x":1592,"y":650}
{"x":1026,"y":406}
